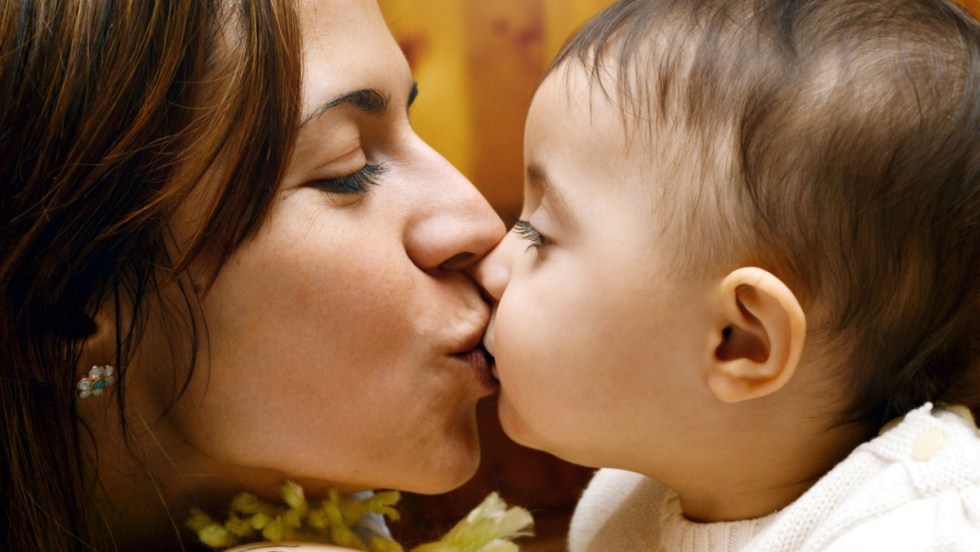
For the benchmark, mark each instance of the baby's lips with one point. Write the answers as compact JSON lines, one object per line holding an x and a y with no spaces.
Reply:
{"x":488,"y":341}
{"x":488,"y":344}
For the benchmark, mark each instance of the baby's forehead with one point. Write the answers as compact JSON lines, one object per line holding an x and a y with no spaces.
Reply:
{"x":661,"y":139}
{"x":573,"y":89}
{"x":582,"y":133}
{"x":574,"y":109}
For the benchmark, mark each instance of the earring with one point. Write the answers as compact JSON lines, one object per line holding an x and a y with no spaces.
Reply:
{"x":96,"y":381}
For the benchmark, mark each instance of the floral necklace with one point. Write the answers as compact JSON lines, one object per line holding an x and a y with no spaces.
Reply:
{"x":333,"y":520}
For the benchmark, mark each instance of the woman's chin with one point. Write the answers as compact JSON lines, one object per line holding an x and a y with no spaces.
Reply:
{"x":444,"y":474}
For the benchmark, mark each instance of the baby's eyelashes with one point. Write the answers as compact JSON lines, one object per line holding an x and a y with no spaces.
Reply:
{"x":528,"y":232}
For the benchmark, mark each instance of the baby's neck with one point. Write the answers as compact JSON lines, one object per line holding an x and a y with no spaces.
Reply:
{"x":755,"y":477}
{"x":741,"y":503}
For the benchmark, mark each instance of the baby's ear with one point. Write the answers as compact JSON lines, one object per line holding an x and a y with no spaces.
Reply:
{"x":760,"y":336}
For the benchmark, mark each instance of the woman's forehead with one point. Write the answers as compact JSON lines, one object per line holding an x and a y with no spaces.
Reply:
{"x":346,"y":48}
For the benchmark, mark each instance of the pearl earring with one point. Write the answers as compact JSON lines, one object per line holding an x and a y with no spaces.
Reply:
{"x":98,"y":378}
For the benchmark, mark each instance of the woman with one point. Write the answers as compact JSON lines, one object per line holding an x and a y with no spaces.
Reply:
{"x":224,"y":202}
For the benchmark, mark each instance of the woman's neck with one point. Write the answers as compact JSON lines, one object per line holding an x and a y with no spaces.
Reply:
{"x":147,"y":484}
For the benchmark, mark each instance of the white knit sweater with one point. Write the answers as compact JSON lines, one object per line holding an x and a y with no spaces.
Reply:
{"x":916,"y":487}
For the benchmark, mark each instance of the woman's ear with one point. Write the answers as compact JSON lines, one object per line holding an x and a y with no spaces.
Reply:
{"x":99,"y":345}
{"x":760,"y":336}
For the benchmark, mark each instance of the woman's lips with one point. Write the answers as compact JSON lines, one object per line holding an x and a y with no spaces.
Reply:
{"x":482,"y":364}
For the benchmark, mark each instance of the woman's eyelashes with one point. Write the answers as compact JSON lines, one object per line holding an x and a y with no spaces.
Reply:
{"x":357,"y":182}
{"x":525,"y":230}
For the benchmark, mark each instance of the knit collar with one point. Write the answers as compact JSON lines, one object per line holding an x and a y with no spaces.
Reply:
{"x":682,"y":535}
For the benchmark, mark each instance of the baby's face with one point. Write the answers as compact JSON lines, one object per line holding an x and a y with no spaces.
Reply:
{"x":592,"y":327}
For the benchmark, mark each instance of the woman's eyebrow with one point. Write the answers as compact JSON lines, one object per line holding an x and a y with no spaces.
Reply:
{"x":368,"y":100}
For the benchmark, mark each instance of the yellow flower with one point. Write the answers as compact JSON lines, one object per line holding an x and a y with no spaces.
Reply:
{"x":488,"y":528}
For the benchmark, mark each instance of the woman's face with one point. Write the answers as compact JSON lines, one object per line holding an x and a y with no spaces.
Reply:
{"x":341,"y":341}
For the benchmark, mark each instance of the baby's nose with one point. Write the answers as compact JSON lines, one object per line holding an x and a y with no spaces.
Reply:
{"x":493,"y":271}
{"x":488,"y":338}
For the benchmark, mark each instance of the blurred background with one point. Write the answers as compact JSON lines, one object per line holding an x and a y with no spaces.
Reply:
{"x":478,"y":63}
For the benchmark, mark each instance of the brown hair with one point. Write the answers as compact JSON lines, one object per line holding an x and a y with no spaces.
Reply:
{"x":111,"y":114}
{"x":846,"y":138}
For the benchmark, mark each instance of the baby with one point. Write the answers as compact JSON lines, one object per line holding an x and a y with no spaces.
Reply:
{"x":747,"y":276}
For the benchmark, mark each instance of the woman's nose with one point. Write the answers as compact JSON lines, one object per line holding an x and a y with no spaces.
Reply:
{"x":454,"y":226}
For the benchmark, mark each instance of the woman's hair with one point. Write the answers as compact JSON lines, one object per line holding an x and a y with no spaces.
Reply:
{"x":842,"y":140}
{"x":111,"y":115}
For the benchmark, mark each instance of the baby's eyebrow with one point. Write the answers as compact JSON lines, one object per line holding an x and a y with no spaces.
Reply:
{"x":538,"y":179}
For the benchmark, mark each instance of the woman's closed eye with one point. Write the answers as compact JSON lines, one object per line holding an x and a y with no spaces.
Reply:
{"x":528,"y":232}
{"x":357,"y":182}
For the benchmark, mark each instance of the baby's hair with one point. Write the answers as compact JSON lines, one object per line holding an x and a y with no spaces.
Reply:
{"x":842,"y":146}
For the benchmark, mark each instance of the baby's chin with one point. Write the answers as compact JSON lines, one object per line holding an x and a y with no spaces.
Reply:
{"x":524,"y":433}
{"x":517,"y":428}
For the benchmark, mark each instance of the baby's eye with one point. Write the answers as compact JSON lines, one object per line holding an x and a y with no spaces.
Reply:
{"x":525,"y":230}
{"x":357,"y":182}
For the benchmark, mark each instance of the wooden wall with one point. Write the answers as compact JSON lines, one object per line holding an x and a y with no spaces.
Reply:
{"x":972,"y":6}
{"x":477,"y":63}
